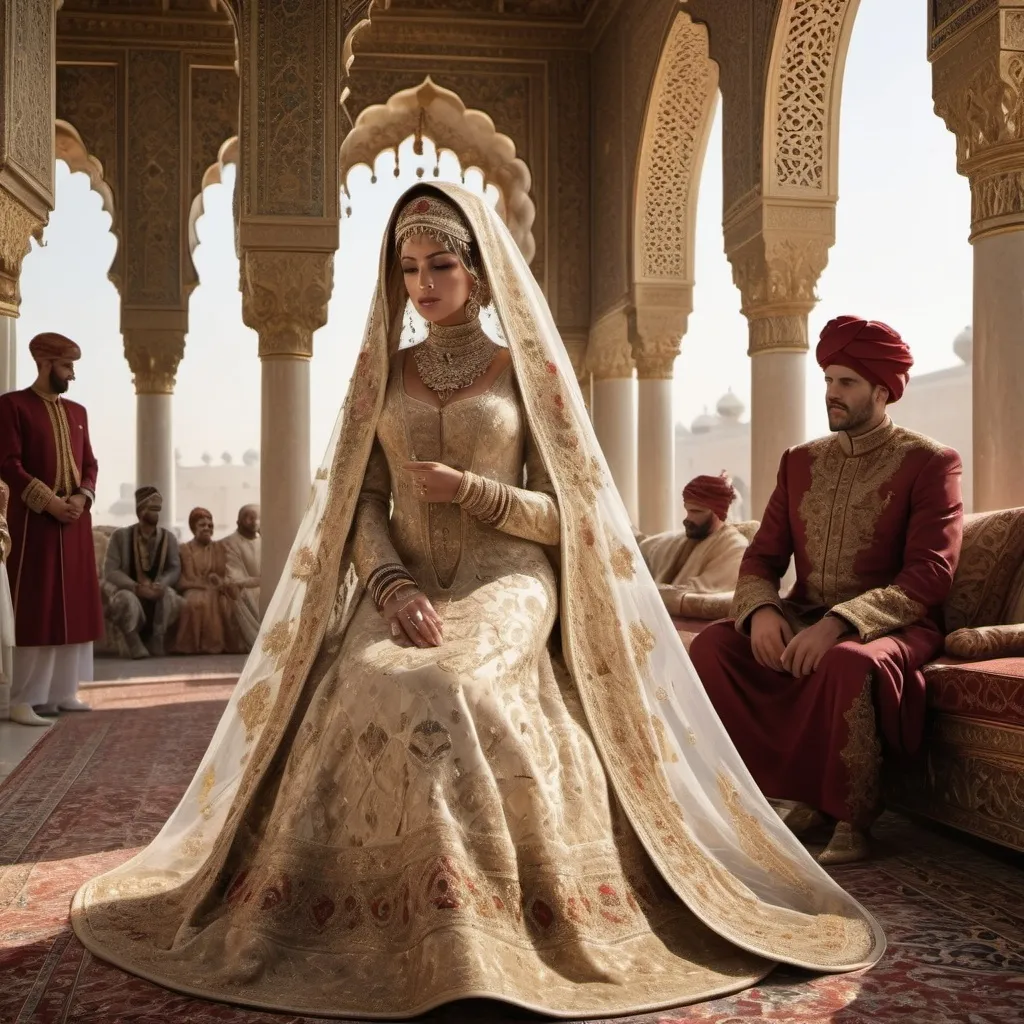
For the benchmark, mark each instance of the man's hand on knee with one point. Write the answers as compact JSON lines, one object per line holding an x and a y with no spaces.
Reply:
{"x":804,"y":652}
{"x":770,"y":634}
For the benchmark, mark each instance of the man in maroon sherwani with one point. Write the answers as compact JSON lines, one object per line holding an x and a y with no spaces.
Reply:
{"x":47,"y":461}
{"x":809,"y":685}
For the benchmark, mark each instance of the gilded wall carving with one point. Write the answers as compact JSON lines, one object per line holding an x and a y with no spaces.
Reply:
{"x":153,"y":214}
{"x":570,"y":216}
{"x":950,"y":17}
{"x":88,"y":98}
{"x":213,"y":118}
{"x":803,"y":92}
{"x":978,"y":86}
{"x":284,"y":298}
{"x":672,"y":148}
{"x":17,"y":225}
{"x":291,"y":67}
{"x":28,"y":131}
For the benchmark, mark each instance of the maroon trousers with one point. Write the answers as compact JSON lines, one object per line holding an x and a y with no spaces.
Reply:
{"x":818,"y":739}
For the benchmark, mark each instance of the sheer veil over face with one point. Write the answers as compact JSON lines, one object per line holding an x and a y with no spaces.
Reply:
{"x":673,"y":770}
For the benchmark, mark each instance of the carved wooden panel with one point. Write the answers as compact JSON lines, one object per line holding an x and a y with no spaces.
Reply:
{"x":153,"y":215}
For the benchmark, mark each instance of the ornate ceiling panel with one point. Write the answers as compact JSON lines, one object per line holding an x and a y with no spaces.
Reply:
{"x":531,"y":9}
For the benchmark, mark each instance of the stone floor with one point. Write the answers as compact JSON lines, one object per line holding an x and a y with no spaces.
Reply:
{"x":17,"y":740}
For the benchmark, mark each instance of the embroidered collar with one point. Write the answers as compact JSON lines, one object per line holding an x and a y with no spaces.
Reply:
{"x":45,"y":395}
{"x":861,"y":444}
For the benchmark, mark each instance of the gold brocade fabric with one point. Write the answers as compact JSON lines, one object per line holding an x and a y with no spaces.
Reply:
{"x":376,"y":830}
{"x":442,"y":827}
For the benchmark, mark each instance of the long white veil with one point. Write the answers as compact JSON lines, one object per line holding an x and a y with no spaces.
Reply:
{"x":673,"y":769}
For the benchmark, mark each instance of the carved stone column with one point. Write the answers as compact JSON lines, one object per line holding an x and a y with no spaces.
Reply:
{"x":284,"y":298}
{"x":614,"y":401}
{"x":657,"y":335}
{"x":778,"y":249}
{"x":978,"y":85}
{"x":288,"y":196}
{"x":26,"y":136}
{"x":154,"y":343}
{"x":8,"y":354}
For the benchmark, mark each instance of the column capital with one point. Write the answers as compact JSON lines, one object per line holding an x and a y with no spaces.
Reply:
{"x":978,"y":89}
{"x":154,"y":345}
{"x":778,"y":249}
{"x":18,"y":223}
{"x":284,"y":299}
{"x":608,"y":351}
{"x":657,"y":324}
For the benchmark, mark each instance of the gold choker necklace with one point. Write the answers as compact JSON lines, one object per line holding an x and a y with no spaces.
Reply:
{"x":452,"y":358}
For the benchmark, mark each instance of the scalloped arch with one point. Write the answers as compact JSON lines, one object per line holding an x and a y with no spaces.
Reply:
{"x":428,"y":109}
{"x":69,"y":147}
{"x":680,"y":111}
{"x":227,"y":154}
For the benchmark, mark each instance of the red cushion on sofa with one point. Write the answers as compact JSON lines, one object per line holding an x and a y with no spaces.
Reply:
{"x":993,"y":690}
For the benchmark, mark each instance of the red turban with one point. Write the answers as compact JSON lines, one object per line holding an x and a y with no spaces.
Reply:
{"x":196,"y":514}
{"x":713,"y":492}
{"x":870,"y":348}
{"x":53,"y":346}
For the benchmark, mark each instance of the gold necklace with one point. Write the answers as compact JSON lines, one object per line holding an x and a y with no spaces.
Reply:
{"x":452,"y":358}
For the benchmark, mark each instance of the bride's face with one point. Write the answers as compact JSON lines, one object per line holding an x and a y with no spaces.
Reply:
{"x":437,"y":282}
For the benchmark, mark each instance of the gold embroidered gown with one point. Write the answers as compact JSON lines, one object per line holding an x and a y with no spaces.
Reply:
{"x":377,"y":830}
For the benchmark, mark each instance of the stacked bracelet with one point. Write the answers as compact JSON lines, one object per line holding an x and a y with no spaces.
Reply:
{"x":485,"y":500}
{"x":387,"y":580}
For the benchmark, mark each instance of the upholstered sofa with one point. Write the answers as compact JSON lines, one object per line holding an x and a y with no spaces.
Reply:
{"x":970,"y":770}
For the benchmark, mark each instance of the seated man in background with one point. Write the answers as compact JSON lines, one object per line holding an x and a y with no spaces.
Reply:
{"x":139,"y":575}
{"x":809,"y":685}
{"x":207,"y":624}
{"x":696,"y":567}
{"x":243,"y":566}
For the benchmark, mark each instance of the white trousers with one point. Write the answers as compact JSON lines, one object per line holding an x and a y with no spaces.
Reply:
{"x":50,"y":675}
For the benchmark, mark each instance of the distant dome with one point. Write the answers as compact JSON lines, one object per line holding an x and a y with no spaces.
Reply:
{"x":251,"y":457}
{"x":207,"y":458}
{"x":963,"y":344}
{"x":730,"y":407}
{"x":704,"y":423}
{"x":225,"y":457}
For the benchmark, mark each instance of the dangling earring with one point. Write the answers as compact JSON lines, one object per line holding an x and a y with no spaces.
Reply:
{"x":472,"y":305}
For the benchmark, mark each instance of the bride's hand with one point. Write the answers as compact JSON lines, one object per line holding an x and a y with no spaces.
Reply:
{"x":413,"y":618}
{"x":434,"y":482}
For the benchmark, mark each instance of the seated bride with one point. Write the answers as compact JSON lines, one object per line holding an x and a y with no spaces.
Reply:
{"x":468,"y":756}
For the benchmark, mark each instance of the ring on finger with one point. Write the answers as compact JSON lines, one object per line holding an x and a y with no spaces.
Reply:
{"x":412,"y":622}
{"x":396,"y":630}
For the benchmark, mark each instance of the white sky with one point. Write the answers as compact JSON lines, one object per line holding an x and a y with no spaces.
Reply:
{"x":901,"y":255}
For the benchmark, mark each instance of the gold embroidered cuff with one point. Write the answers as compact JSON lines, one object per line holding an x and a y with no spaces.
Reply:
{"x":752,"y":592}
{"x":706,"y":606}
{"x":879,"y":612}
{"x":37,"y":495}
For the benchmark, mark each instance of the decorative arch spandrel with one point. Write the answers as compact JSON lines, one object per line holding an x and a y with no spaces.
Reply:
{"x":429,"y":110}
{"x":803,"y":97}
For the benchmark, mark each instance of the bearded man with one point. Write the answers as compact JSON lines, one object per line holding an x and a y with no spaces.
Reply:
{"x":207,"y":624}
{"x":809,"y":686}
{"x":141,"y":570}
{"x":47,"y":461}
{"x":243,"y":568}
{"x":702,"y":559}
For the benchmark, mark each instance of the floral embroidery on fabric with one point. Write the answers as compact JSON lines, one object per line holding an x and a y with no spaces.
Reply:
{"x":643,"y":641}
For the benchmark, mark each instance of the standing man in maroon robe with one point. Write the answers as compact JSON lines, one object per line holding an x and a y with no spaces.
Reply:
{"x":809,"y":685}
{"x":47,"y":461}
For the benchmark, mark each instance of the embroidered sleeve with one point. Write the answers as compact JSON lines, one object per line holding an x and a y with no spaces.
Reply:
{"x":767,"y":558}
{"x":36,"y":495}
{"x":529,"y":512}
{"x":706,"y":606}
{"x":930,"y":555}
{"x":372,"y":548}
{"x":721,"y":571}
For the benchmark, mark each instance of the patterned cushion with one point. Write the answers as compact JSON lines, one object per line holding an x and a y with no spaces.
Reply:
{"x":992,"y":690}
{"x":987,"y":642}
{"x":992,"y":553}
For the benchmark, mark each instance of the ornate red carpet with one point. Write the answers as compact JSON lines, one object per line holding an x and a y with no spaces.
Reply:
{"x":100,"y":785}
